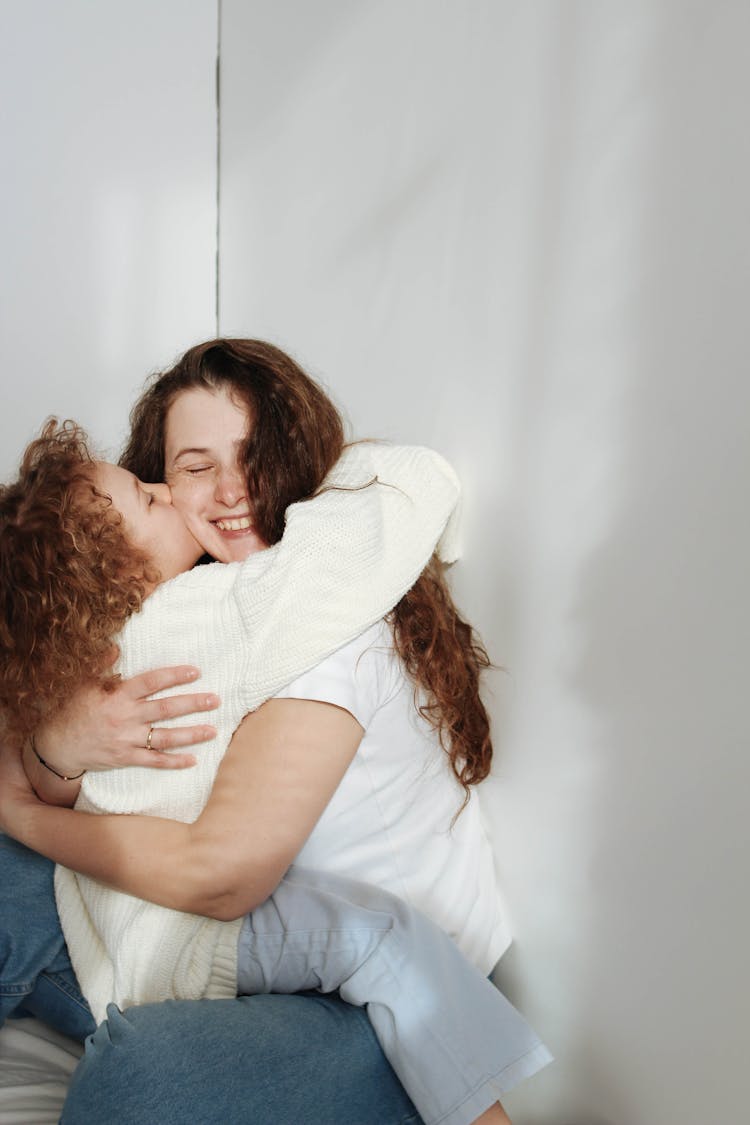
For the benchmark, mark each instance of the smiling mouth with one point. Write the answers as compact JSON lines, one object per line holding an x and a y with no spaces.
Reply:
{"x":240,"y":523}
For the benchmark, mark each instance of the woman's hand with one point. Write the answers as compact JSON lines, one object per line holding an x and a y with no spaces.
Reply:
{"x":101,"y":730}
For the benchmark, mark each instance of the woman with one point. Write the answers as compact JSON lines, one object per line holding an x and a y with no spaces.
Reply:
{"x":113,"y":534}
{"x":263,"y":382}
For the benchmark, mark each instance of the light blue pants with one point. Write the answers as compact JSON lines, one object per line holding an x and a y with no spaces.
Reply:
{"x":452,"y":1038}
{"x":275,"y":1059}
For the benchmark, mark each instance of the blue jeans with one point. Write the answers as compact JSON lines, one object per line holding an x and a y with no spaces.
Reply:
{"x":36,"y":977}
{"x":268,"y":1060}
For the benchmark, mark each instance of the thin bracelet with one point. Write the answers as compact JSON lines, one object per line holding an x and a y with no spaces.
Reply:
{"x":62,"y":776}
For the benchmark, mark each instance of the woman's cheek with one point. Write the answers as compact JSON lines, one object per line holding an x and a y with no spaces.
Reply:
{"x":204,"y":532}
{"x":190,"y":495}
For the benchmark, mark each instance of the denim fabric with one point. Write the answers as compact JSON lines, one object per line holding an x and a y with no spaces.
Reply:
{"x":266,"y":1060}
{"x":303,"y":1059}
{"x":36,"y":977}
{"x":269,"y":1060}
{"x":451,"y":1037}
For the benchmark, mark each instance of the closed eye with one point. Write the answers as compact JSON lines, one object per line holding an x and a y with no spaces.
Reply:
{"x":198,"y":469}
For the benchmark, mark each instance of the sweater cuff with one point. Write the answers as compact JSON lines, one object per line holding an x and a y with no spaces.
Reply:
{"x":222,"y":983}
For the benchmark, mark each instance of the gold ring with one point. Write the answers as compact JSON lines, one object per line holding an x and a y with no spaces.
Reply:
{"x":149,"y":736}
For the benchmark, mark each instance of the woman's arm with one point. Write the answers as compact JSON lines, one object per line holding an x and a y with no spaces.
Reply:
{"x":108,"y":730}
{"x":281,"y":769}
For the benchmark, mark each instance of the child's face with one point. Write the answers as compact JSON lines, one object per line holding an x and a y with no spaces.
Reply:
{"x":149,"y":519}
{"x":204,"y":435}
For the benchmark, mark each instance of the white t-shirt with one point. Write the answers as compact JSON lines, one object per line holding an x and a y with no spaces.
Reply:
{"x":389,"y":821}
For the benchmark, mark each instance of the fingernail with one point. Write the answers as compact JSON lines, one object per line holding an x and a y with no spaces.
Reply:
{"x":212,"y":701}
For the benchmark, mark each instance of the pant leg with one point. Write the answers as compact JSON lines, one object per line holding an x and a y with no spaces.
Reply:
{"x":452,"y":1038}
{"x":36,"y":977}
{"x":264,"y":1060}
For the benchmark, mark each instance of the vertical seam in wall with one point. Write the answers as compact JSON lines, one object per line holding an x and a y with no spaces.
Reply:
{"x":218,"y":163}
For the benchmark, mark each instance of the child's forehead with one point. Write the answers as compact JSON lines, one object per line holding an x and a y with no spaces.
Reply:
{"x":106,"y":470}
{"x":116,"y":482}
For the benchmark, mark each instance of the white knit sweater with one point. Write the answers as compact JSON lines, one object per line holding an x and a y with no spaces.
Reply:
{"x":345,"y":559}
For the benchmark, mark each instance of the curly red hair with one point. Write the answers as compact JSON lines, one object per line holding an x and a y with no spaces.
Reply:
{"x":69,"y":578}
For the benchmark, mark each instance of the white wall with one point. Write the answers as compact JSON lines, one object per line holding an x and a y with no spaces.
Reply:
{"x":108,"y":205}
{"x":518,"y":231}
{"x":515,"y":230}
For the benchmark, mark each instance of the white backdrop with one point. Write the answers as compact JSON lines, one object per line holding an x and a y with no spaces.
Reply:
{"x":108,"y":205}
{"x":518,"y":231}
{"x":515,"y":230}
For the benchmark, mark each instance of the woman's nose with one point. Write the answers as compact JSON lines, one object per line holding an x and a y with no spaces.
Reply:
{"x":230,"y":487}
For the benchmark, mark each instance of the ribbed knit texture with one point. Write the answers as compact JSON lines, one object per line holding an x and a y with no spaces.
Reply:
{"x":346,"y":558}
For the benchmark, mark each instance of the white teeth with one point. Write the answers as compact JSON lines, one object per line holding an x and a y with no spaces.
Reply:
{"x":240,"y":524}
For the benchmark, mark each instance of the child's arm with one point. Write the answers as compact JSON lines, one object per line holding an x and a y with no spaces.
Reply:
{"x":346,"y":559}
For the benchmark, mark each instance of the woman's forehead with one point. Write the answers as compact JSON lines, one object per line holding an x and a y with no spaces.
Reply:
{"x":204,"y":419}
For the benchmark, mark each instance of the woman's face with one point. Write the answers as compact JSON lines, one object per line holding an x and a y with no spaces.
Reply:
{"x":204,"y":435}
{"x":149,"y":519}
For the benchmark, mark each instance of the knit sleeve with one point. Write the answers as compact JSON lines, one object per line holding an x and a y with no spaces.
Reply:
{"x":346,"y":558}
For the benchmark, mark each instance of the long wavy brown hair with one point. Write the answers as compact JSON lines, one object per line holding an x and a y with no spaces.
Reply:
{"x":69,"y":580}
{"x":295,"y":439}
